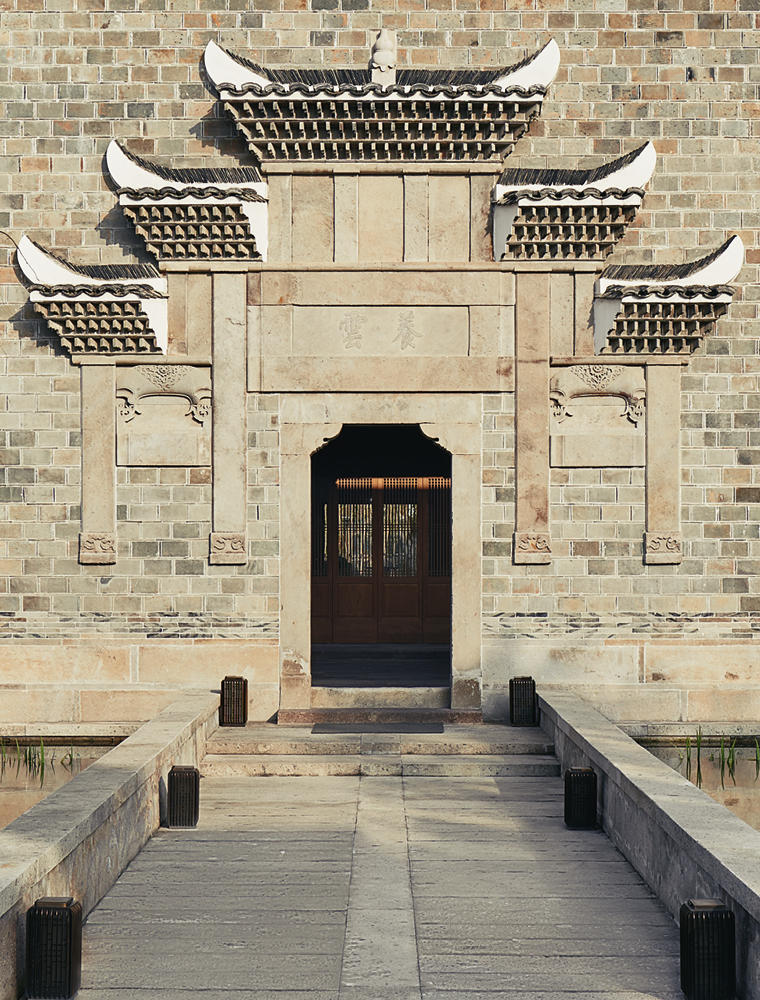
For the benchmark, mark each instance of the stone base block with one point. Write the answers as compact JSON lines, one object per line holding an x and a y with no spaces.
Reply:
{"x":663,"y":548}
{"x":531,"y":547}
{"x":97,"y":548}
{"x":228,"y":548}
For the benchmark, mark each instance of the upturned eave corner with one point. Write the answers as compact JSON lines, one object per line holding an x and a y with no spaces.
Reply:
{"x":97,"y":309}
{"x":654,"y":310}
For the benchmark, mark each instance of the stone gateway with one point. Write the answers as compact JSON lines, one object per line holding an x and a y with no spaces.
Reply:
{"x":374,"y":422}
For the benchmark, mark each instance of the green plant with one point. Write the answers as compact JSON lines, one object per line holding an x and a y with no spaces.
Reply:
{"x":688,"y":758}
{"x":699,"y":757}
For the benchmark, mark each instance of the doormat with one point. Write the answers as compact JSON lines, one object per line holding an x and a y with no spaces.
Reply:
{"x":348,"y":728}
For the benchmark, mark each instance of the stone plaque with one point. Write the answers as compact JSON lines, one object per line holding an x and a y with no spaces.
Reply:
{"x":380,"y":331}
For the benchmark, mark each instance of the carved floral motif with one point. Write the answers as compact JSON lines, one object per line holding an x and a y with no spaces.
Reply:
{"x":533,"y":542}
{"x":662,"y":543}
{"x":98,"y":548}
{"x":598,"y":376}
{"x":164,"y":376}
{"x":228,"y":548}
{"x":663,"y":547}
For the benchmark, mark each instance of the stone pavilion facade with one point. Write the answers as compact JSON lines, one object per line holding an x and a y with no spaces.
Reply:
{"x":405,"y":350}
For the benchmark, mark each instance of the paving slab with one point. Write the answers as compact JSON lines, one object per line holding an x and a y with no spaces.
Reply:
{"x":390,"y":887}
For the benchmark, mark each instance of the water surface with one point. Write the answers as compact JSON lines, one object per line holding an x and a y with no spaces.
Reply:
{"x":22,"y":786}
{"x":740,"y":793}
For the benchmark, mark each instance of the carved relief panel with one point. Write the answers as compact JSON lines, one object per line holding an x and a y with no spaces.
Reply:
{"x":163,"y":415}
{"x":597,"y":417}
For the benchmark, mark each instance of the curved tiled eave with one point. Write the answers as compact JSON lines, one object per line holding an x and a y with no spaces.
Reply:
{"x":196,"y":214}
{"x":568,"y":214}
{"x":107,"y":310}
{"x":661,"y":309}
{"x":344,"y":115}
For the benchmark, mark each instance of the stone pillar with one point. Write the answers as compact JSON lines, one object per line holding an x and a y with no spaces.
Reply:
{"x":280,"y":196}
{"x":663,"y":543}
{"x":346,"y":218}
{"x":532,"y":542}
{"x":461,"y":440}
{"x":97,"y":540}
{"x":297,"y":442}
{"x":227,"y":543}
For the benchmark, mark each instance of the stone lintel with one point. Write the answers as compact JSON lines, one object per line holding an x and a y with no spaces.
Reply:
{"x":615,"y":359}
{"x":93,"y":361}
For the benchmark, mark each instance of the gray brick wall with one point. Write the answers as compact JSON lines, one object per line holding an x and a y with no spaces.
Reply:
{"x":678,"y":72}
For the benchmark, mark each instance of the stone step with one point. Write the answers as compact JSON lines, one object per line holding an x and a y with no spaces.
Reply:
{"x":380,"y":697}
{"x":259,"y":739}
{"x":378,"y":765}
{"x":382,"y":715}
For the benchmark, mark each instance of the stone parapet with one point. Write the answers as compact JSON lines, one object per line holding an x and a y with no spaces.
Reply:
{"x":681,"y":842}
{"x":78,"y":840}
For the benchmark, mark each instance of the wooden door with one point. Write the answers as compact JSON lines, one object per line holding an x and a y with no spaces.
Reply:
{"x":381,"y":560}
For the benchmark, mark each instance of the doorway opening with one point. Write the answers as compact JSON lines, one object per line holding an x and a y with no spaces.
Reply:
{"x":381,"y":559}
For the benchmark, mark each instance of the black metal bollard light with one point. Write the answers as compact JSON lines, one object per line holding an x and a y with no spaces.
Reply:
{"x":580,"y":798}
{"x":708,"y":950}
{"x":233,"y":708}
{"x":522,"y":701}
{"x":53,"y":948}
{"x":183,"y":796}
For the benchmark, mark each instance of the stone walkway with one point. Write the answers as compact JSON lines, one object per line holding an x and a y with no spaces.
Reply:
{"x":399,"y":888}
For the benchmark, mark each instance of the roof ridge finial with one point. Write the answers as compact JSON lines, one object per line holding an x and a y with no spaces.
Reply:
{"x":382,"y":61}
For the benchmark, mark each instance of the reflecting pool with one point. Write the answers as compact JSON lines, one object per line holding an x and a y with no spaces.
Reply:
{"x":28,"y":774}
{"x":734,"y":781}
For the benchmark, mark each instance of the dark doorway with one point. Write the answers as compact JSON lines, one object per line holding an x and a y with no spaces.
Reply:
{"x":381,"y":559}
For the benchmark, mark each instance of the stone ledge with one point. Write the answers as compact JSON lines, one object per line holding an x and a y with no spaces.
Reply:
{"x":682,"y":842}
{"x":78,"y":840}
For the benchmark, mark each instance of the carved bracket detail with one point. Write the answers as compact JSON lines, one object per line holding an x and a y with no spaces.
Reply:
{"x":625,"y":381}
{"x":532,"y":547}
{"x":663,"y":547}
{"x":228,"y":548}
{"x":97,"y":548}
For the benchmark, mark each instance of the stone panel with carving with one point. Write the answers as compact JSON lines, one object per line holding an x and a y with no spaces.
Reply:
{"x":164,"y":415}
{"x":597,"y":416}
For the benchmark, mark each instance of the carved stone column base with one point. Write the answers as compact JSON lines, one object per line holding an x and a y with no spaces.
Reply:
{"x":227,"y":548}
{"x":97,"y":548}
{"x":531,"y":547}
{"x":663,"y":547}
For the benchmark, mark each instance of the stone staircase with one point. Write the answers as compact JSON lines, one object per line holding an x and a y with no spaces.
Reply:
{"x":418,"y":746}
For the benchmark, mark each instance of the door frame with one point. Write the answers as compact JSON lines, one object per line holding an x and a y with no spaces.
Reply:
{"x":307,"y":423}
